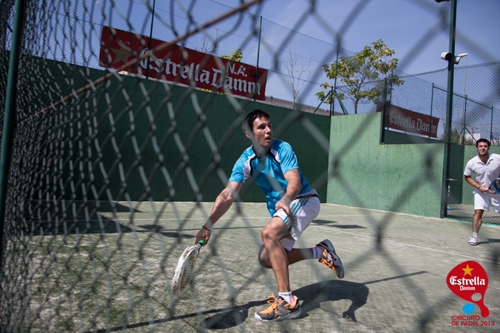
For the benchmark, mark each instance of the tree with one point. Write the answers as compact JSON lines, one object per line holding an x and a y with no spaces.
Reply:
{"x":294,"y":74}
{"x":236,"y":56}
{"x":358,"y":73}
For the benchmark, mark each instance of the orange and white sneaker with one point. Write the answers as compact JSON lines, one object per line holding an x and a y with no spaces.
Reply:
{"x":330,"y":259}
{"x":279,"y":309}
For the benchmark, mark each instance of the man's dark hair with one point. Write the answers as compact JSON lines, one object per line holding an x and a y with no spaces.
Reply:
{"x":482,"y":140}
{"x":250,"y":119}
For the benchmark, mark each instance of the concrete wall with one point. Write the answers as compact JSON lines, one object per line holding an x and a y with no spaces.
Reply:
{"x":385,"y":177}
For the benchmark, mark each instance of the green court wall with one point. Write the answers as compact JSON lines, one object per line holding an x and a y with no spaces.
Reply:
{"x":111,"y":161}
{"x":402,"y":178}
{"x":105,"y":143}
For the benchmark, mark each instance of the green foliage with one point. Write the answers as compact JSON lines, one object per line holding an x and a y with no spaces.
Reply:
{"x":357,"y":74}
{"x":235,"y":56}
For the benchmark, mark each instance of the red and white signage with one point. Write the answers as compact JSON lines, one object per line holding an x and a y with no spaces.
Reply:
{"x":411,"y":122}
{"x":182,"y":65}
{"x":468,"y":279}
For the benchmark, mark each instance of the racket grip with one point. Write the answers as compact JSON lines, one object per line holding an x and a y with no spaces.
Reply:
{"x":201,"y":242}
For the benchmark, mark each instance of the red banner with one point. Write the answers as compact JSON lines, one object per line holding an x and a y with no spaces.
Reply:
{"x":410,"y":121}
{"x":182,"y":65}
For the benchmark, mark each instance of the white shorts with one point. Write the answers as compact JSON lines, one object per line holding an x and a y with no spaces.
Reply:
{"x":304,"y":209}
{"x":482,"y":201}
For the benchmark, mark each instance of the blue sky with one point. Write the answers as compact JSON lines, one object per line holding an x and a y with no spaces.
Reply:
{"x":410,"y":27}
{"x":401,"y":24}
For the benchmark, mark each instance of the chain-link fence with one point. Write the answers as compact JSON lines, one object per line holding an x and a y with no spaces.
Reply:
{"x":107,"y":119}
{"x":475,"y":101}
{"x":418,"y":114}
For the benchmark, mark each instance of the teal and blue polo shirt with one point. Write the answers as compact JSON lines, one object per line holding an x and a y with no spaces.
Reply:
{"x":269,"y":171}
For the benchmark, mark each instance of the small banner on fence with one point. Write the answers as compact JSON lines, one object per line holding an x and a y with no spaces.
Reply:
{"x":409,"y":121}
{"x":180,"y":64}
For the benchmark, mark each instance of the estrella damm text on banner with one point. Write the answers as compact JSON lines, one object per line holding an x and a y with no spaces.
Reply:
{"x":181,"y":65}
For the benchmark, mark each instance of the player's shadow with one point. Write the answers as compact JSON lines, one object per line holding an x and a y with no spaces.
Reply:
{"x":159,"y":229}
{"x":489,"y":240}
{"x":231,"y":317}
{"x":311,"y":297}
{"x":334,"y":224}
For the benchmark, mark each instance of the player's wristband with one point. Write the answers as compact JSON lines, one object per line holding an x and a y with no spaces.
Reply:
{"x":206,"y":228}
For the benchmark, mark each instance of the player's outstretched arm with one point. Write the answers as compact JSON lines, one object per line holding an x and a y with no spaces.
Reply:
{"x":221,"y":206}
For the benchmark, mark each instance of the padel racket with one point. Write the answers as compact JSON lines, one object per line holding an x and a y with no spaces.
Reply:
{"x":495,"y":186}
{"x":185,"y":268}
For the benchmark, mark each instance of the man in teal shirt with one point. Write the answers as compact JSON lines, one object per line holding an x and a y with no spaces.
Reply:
{"x":292,"y":203}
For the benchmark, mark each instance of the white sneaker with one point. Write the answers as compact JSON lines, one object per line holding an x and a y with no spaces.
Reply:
{"x":473,"y":241}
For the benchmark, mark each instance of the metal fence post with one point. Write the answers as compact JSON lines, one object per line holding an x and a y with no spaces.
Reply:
{"x":150,"y":37}
{"x":491,"y":125}
{"x":257,"y":65}
{"x":384,"y":111}
{"x":335,"y":82}
{"x":432,"y":103}
{"x":463,"y":121}
{"x":449,"y":112}
{"x":332,"y":104}
{"x":9,"y":124}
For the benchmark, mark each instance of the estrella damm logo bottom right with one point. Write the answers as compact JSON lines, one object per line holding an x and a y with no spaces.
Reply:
{"x":469,"y":281}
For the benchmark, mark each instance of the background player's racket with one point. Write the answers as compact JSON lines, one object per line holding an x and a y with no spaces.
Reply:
{"x":495,"y":186}
{"x":185,"y":268}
